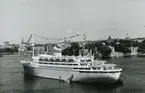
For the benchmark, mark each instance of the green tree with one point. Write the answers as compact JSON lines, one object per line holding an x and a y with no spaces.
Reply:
{"x":1,"y":50}
{"x":67,"y":51}
{"x":105,"y":51}
{"x":7,"y":50}
{"x":122,"y":47}
{"x":141,"y":48}
{"x":73,"y":50}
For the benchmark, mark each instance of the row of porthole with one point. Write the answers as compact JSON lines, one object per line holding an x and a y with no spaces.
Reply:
{"x":98,"y":72}
{"x":104,"y":68}
{"x":57,"y":60}
{"x":57,"y":64}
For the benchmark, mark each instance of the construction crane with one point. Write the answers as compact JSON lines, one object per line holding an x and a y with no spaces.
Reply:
{"x":29,"y":39}
{"x":27,"y":43}
{"x":59,"y":42}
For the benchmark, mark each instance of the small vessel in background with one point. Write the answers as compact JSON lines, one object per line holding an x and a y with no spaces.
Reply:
{"x":71,"y":68}
{"x":1,"y":55}
{"x":141,"y":55}
{"x":127,"y":55}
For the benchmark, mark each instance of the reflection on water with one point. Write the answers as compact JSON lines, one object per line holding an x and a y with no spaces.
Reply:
{"x":56,"y":86}
{"x":13,"y":80}
{"x":29,"y":82}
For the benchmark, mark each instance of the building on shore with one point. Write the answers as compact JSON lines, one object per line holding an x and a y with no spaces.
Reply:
{"x":114,"y":53}
{"x":134,"y":50}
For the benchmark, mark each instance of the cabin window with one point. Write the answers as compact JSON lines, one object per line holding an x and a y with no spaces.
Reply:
{"x":84,"y":71}
{"x":98,"y":68}
{"x":40,"y":62}
{"x":93,"y":72}
{"x":57,"y":60}
{"x":62,"y":64}
{"x":70,"y":60}
{"x":87,"y":68}
{"x":46,"y":59}
{"x":74,"y":64}
{"x":105,"y":68}
{"x":83,"y":64}
{"x":40,"y":59}
{"x":75,"y":68}
{"x":69,"y":64}
{"x":45,"y":63}
{"x":88,"y":60}
{"x":56,"y":63}
{"x":109,"y":67}
{"x":94,"y":68}
{"x":103,"y":72}
{"x":63,"y":60}
{"x":82,"y":60}
{"x":52,"y":60}
{"x":81,"y":68}
{"x":87,"y":72}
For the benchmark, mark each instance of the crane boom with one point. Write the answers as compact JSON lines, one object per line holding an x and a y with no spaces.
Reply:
{"x":29,"y":39}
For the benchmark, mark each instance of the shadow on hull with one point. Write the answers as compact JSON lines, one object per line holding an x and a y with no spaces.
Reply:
{"x":100,"y":84}
{"x":28,"y":77}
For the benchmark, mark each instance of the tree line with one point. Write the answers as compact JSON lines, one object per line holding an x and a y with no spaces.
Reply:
{"x":103,"y":48}
{"x":8,"y":50}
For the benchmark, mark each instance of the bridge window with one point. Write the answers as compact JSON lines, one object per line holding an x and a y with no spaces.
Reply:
{"x":52,"y":60}
{"x":40,"y":59}
{"x":82,"y":60}
{"x":46,"y":59}
{"x":94,"y":68}
{"x":105,"y":68}
{"x":75,"y":68}
{"x":109,"y":67}
{"x":70,"y":60}
{"x":88,"y":60}
{"x":98,"y":68}
{"x":75,"y":64}
{"x":57,"y":60}
{"x":83,"y":64}
{"x":62,"y":64}
{"x":87,"y":68}
{"x":69,"y":64}
{"x":63,"y":60}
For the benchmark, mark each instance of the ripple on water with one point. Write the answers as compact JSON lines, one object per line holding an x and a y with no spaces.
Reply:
{"x":12,"y":81}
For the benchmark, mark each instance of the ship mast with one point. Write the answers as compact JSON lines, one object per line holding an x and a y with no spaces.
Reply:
{"x":84,"y":42}
{"x":33,"y":44}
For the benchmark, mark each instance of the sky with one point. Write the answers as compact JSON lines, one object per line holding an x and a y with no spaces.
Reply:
{"x":58,"y":18}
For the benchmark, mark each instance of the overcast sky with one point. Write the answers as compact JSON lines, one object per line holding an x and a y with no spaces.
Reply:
{"x":58,"y":18}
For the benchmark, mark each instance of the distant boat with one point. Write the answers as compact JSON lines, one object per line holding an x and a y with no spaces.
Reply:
{"x":1,"y":55}
{"x":127,"y":55}
{"x":141,"y":55}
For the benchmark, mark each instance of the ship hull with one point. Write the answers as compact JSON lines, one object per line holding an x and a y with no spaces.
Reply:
{"x":69,"y":75}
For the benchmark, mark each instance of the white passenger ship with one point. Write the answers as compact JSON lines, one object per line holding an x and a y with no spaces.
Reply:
{"x":71,"y":68}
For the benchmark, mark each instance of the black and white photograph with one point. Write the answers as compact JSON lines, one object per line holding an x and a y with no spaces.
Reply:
{"x":72,"y":46}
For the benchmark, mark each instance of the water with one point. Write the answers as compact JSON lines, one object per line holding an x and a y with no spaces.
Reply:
{"x":13,"y":80}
